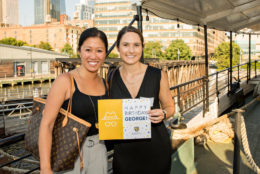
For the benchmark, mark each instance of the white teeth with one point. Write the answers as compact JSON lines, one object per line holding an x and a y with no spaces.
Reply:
{"x":130,"y":56}
{"x":92,"y":63}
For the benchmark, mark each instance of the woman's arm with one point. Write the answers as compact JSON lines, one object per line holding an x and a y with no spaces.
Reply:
{"x":166,"y":101}
{"x":57,"y":94}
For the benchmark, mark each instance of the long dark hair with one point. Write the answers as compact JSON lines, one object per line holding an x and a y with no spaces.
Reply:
{"x":92,"y":32}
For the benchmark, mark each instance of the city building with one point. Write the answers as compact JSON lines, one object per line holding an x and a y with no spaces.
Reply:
{"x":24,"y":61}
{"x":56,"y":34}
{"x":111,"y":16}
{"x":83,"y":11}
{"x":9,"y":12}
{"x":1,"y":12}
{"x":62,"y":7}
{"x":90,"y":3}
{"x":81,"y":23}
{"x":47,"y":11}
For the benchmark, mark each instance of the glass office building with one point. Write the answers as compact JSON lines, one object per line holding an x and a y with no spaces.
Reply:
{"x":62,"y":7}
{"x":112,"y":15}
{"x":45,"y":8}
{"x":38,"y":11}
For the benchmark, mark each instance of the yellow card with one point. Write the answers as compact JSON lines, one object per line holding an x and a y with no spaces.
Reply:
{"x":124,"y":119}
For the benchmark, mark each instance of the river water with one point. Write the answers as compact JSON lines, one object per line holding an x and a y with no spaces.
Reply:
{"x":25,"y":91}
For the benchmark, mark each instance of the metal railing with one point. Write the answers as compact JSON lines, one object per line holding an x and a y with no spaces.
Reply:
{"x":190,"y":94}
{"x":193,"y":93}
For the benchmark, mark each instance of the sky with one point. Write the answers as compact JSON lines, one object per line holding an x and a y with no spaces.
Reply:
{"x":26,"y":10}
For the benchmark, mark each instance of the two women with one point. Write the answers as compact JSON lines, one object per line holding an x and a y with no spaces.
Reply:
{"x":132,"y":80}
{"x":89,"y":87}
{"x":135,"y":80}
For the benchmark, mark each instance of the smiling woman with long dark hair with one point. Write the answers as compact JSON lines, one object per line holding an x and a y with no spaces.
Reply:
{"x":89,"y":87}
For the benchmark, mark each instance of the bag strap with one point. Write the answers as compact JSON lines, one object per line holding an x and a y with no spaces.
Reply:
{"x":65,"y":120}
{"x":71,"y":92}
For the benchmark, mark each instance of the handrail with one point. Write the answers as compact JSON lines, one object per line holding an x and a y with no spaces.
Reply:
{"x":16,"y":138}
{"x":180,"y":93}
{"x":222,"y":83}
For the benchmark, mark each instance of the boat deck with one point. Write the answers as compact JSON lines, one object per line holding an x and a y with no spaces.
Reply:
{"x":215,"y":158}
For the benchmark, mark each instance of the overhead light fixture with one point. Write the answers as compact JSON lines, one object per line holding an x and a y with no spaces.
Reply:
{"x":178,"y":25}
{"x":147,"y":17}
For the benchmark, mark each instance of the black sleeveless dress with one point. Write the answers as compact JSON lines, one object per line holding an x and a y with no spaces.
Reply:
{"x":83,"y":108}
{"x":143,"y":156}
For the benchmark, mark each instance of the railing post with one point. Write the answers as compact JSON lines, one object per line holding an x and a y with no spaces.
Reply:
{"x":2,"y":106}
{"x":247,"y":72}
{"x":238,"y":72}
{"x":217,"y":92}
{"x":228,"y":81}
{"x":179,"y":99}
{"x":231,"y":56}
{"x":249,"y":52}
{"x":236,"y":157}
{"x":206,"y":66}
{"x":140,"y":21}
{"x":203,"y":98}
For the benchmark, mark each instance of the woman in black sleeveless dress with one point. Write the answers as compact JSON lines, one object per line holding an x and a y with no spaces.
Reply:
{"x":89,"y":87}
{"x":134,"y":80}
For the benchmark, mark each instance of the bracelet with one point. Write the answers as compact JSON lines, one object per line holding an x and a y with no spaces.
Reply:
{"x":164,"y":114}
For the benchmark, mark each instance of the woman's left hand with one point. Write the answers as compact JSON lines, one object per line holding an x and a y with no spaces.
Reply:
{"x":156,"y":115}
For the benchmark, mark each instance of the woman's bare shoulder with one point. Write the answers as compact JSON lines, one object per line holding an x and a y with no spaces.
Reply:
{"x":63,"y":80}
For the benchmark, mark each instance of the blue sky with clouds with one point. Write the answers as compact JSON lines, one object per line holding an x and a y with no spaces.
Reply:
{"x":26,"y":10}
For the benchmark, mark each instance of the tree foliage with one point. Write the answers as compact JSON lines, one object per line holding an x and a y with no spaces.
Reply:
{"x":171,"y":53}
{"x":222,"y":55}
{"x":67,"y":49}
{"x":13,"y":41}
{"x":113,"y":55}
{"x":45,"y":45}
{"x":153,"y":50}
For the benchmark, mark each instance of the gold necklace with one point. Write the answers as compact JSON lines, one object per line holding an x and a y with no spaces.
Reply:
{"x":93,"y":106}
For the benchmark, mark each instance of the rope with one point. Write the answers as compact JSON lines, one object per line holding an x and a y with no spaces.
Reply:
{"x":16,"y":170}
{"x":246,"y":146}
{"x":15,"y":157}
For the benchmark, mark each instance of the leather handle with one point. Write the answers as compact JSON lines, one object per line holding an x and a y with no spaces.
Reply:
{"x":65,"y":121}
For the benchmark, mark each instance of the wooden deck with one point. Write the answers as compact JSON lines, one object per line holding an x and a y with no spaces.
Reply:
{"x":255,"y":81}
{"x":11,"y":81}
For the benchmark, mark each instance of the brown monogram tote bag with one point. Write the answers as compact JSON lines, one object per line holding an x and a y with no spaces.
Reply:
{"x":68,"y":134}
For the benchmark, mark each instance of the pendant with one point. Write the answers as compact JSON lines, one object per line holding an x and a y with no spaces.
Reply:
{"x":96,"y":124}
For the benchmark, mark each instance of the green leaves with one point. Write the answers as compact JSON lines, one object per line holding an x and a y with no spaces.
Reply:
{"x":153,"y":50}
{"x":113,"y":55}
{"x":45,"y":45}
{"x":222,"y":55}
{"x":12,"y":41}
{"x":178,"y":50}
{"x":67,"y":49}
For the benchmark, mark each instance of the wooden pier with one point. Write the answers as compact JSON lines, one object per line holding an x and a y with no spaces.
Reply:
{"x":12,"y":81}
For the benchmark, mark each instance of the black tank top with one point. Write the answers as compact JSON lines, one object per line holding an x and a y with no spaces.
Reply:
{"x":83,"y":108}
